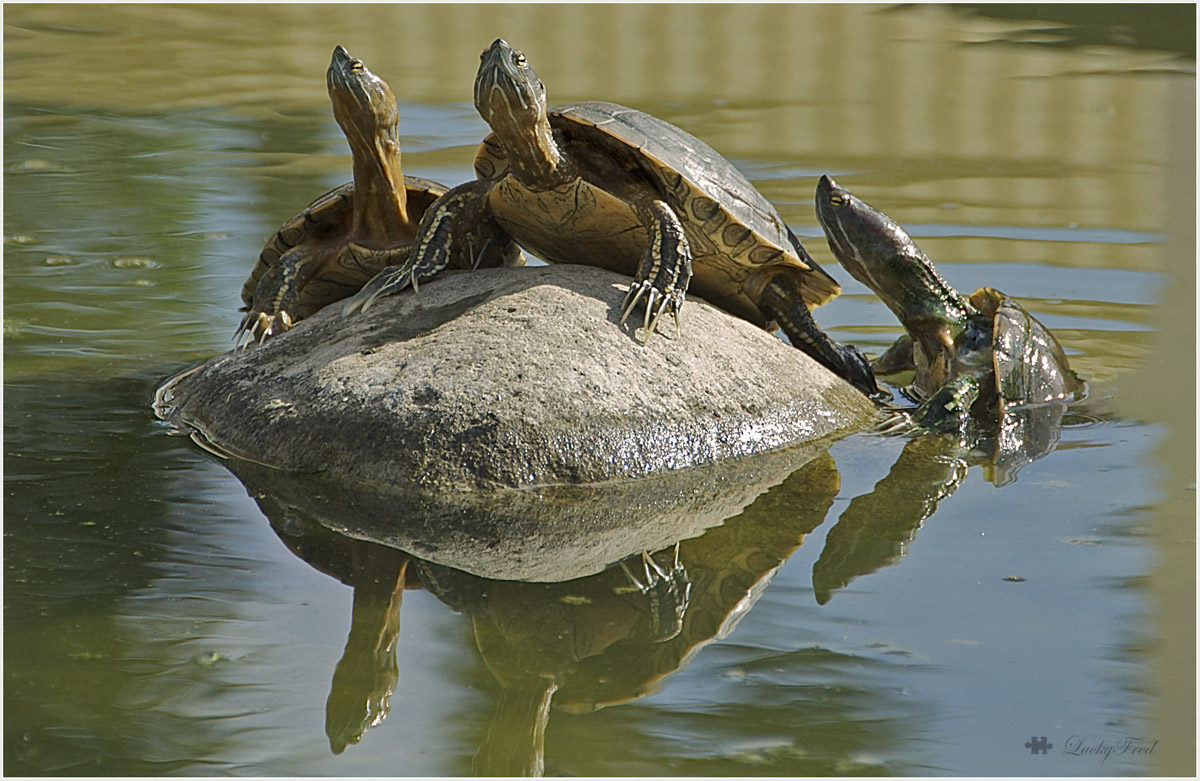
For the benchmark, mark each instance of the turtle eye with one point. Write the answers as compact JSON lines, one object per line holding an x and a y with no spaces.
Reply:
{"x":519,"y":59}
{"x":356,"y":65}
{"x":837,"y":200}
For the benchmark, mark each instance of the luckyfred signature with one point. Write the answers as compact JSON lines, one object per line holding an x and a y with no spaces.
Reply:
{"x":1079,"y":746}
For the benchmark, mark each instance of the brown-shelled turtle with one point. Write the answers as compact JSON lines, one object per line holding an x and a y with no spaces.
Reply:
{"x":600,"y":184}
{"x":974,"y":358}
{"x":348,"y":235}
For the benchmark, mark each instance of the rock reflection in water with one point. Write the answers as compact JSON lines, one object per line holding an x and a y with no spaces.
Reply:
{"x":602,"y":632}
{"x":580,"y":644}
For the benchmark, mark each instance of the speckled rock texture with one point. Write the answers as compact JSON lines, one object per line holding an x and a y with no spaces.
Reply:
{"x":511,"y":378}
{"x":505,"y":378}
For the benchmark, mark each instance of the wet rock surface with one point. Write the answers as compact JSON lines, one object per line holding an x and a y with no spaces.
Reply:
{"x":510,"y":378}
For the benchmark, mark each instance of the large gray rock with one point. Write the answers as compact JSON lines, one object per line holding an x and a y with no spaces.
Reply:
{"x":511,"y":378}
{"x":502,"y":422}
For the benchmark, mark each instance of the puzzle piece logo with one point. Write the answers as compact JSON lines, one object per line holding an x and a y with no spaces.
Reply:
{"x":1038,"y":745}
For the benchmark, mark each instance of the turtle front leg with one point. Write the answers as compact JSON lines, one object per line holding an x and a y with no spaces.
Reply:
{"x":446,"y":236}
{"x":665,"y":269}
{"x":949,"y":409}
{"x":277,"y":296}
{"x":781,"y":300}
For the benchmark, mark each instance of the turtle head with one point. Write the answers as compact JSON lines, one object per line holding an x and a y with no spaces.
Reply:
{"x":880,"y":254}
{"x":512,"y":100}
{"x":363,"y":103}
{"x":366,"y":110}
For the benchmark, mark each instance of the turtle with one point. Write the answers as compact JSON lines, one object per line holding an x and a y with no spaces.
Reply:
{"x":348,"y":235}
{"x":980,"y":356}
{"x":601,"y":184}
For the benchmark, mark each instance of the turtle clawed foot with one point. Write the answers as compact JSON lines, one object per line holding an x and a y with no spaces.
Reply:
{"x":667,"y":591}
{"x":656,"y":302}
{"x":896,"y":423}
{"x":857,"y":371}
{"x":947,"y":411}
{"x":477,"y":257}
{"x":258,"y":326}
{"x":391,"y":280}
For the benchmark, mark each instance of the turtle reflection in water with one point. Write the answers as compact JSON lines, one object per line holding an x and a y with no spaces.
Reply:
{"x":982,"y":366}
{"x":342,"y":239}
{"x":667,"y":591}
{"x":600,"y":184}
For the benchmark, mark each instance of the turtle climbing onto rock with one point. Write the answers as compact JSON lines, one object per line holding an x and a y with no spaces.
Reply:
{"x":600,"y":184}
{"x":344,"y":238}
{"x":979,"y":356}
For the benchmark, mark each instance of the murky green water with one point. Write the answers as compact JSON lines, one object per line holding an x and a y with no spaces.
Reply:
{"x":155,"y":622}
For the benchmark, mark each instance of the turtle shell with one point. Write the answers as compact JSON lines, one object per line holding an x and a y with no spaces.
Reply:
{"x":1033,"y":386}
{"x":1030,"y":365}
{"x":732,"y":229}
{"x":327,"y":216}
{"x":325,"y":222}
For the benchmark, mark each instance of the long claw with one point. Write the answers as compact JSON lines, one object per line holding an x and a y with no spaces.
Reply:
{"x":203,"y":443}
{"x":633,"y":579}
{"x":659,"y":311}
{"x":366,"y":303}
{"x":477,"y":259}
{"x":257,"y":328}
{"x":631,"y":299}
{"x":897,"y":423}
{"x":649,"y":563}
{"x":245,"y":334}
{"x":657,"y":304}
{"x":352,"y":305}
{"x":650,"y":299}
{"x":389,"y":282}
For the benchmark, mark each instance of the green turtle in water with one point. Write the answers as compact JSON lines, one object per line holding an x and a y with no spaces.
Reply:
{"x":348,"y":235}
{"x":600,"y":184}
{"x":967,"y":353}
{"x":993,"y":385}
{"x":977,"y":361}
